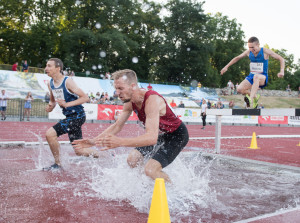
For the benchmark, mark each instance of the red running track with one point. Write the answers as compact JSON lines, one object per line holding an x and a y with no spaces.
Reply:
{"x":21,"y":203}
{"x":275,"y":150}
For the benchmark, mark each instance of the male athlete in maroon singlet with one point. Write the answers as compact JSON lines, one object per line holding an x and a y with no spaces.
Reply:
{"x":166,"y":135}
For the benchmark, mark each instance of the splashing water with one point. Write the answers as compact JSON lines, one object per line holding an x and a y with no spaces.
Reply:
{"x":135,"y":60}
{"x":203,"y":188}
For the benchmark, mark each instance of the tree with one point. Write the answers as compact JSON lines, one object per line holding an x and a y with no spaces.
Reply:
{"x":227,"y":40}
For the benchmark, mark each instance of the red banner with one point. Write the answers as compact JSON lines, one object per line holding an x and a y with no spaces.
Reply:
{"x":273,"y":120}
{"x":108,"y":112}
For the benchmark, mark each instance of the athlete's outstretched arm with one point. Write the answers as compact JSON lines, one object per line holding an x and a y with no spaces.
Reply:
{"x":277,"y":57}
{"x":152,"y":108}
{"x":234,"y":60}
{"x":111,"y":130}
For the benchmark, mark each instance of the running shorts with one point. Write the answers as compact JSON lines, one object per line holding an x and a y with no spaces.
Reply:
{"x":251,"y":76}
{"x":168,"y":146}
{"x":71,"y":125}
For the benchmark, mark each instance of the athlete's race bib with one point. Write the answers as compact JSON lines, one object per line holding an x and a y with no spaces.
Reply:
{"x":58,"y":94}
{"x":256,"y":68}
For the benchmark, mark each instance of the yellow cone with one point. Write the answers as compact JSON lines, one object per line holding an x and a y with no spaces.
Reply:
{"x":298,"y":144}
{"x":159,"y":210}
{"x":253,"y":142}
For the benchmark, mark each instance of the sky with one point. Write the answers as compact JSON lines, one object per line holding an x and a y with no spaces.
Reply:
{"x":273,"y":22}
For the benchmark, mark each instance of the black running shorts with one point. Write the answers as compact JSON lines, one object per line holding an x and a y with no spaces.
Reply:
{"x":168,"y":146}
{"x":71,"y":125}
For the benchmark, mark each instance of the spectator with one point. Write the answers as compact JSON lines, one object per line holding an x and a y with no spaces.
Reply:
{"x":230,"y":87}
{"x":231,"y":104}
{"x":93,"y":100}
{"x":236,"y":87}
{"x":173,"y":104}
{"x":288,"y":88}
{"x":98,"y":96}
{"x":219,"y":104}
{"x":107,"y":76}
{"x":47,"y":97}
{"x":25,"y":66}
{"x":15,"y":66}
{"x":260,"y":106}
{"x":208,"y":104}
{"x":3,"y":104}
{"x":299,"y":92}
{"x":181,"y":105}
{"x":106,"y":96}
{"x":27,"y":105}
{"x":199,"y":86}
{"x":149,"y":87}
{"x":91,"y":95}
{"x":115,"y":96}
{"x":72,"y":73}
{"x":203,"y":113}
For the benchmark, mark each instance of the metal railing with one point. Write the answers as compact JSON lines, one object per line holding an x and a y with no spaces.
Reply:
{"x":15,"y":108}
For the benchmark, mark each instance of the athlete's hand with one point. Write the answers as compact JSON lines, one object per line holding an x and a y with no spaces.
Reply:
{"x":62,"y":103}
{"x":224,"y":70}
{"x":83,"y":143}
{"x":280,"y":74}
{"x":50,"y":107}
{"x":108,"y":142}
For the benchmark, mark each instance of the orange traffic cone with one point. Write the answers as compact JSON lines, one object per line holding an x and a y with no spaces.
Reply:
{"x":253,"y":142}
{"x":159,"y":210}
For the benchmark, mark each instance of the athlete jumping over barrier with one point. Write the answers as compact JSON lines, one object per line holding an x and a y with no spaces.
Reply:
{"x":153,"y":110}
{"x":258,"y":77}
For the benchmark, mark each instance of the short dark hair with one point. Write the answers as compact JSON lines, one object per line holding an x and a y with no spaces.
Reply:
{"x":58,"y":63}
{"x":253,"y":39}
{"x":127,"y":74}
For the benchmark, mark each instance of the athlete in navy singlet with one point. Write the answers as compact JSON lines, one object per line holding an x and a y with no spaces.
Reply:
{"x":70,"y":98}
{"x":165,"y":137}
{"x":258,"y":77}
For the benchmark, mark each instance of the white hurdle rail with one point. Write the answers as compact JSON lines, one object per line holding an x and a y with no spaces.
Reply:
{"x":255,"y":112}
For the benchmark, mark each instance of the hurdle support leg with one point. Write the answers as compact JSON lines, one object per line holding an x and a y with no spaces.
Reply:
{"x":218,"y":134}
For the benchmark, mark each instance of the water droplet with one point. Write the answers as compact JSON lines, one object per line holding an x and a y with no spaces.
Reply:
{"x":188,"y":49}
{"x":98,"y":25}
{"x":94,"y":67}
{"x":87,"y":73}
{"x":135,"y":60}
{"x":131,"y":23}
{"x":99,"y":66}
{"x":102,"y":54}
{"x":136,"y":31}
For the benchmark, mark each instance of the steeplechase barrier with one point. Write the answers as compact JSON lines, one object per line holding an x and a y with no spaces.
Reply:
{"x":253,"y":112}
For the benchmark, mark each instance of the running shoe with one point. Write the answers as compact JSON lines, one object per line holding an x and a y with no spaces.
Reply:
{"x":247,"y":99}
{"x":52,"y":167}
{"x":255,"y":101}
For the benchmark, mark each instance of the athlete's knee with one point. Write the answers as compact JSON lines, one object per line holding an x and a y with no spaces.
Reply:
{"x":51,"y":134}
{"x":134,"y":158}
{"x":240,"y":90}
{"x":152,"y":168}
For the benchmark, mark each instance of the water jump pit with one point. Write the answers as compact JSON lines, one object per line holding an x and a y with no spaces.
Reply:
{"x":205,"y":188}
